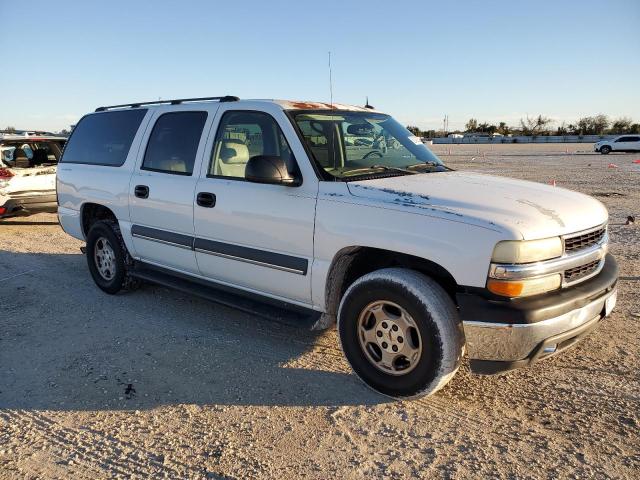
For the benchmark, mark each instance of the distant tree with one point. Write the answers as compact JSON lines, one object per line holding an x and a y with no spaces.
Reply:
{"x":10,"y":129}
{"x":600,"y":124}
{"x":595,"y":125}
{"x":483,"y":127}
{"x":634,"y":128}
{"x":503,"y":129}
{"x":562,"y":129}
{"x":430,"y":133}
{"x":621,"y":125}
{"x":415,"y":130}
{"x":535,"y":126}
{"x":472,"y":125}
{"x":572,"y":129}
{"x":584,"y":125}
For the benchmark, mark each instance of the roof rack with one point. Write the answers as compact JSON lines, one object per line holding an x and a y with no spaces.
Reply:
{"x":177,"y":101}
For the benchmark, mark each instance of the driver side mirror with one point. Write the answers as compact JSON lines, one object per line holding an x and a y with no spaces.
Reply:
{"x":269,"y":169}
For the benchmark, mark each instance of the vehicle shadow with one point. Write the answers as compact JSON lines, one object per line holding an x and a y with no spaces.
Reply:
{"x":66,"y":345}
{"x":21,"y":222}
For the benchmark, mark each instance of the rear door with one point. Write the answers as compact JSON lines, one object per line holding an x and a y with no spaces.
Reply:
{"x":623,"y":143}
{"x":162,"y":186}
{"x":633,"y":143}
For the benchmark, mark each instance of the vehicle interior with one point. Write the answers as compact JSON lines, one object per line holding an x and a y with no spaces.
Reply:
{"x":31,"y":153}
{"x":348,"y":143}
{"x":244,"y":135}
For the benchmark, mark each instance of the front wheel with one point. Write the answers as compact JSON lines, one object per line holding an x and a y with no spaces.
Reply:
{"x":605,"y":149}
{"x":400,"y":332}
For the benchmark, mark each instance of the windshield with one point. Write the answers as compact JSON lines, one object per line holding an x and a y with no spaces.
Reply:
{"x":353,"y":144}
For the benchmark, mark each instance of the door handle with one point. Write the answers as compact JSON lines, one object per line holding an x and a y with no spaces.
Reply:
{"x":206,"y":199}
{"x":141,"y":191}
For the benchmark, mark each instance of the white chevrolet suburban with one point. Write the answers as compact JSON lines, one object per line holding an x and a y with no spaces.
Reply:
{"x":324,"y":212}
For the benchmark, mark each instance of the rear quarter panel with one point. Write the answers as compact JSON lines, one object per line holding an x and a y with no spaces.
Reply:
{"x":78,"y":184}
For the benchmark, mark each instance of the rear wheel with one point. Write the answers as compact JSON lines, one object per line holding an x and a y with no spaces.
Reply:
{"x":400,"y":332}
{"x":108,"y":259}
{"x":605,"y":149}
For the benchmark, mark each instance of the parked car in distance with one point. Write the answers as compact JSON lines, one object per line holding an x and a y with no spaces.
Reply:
{"x":263,"y":204}
{"x":622,"y":143}
{"x":28,"y":173}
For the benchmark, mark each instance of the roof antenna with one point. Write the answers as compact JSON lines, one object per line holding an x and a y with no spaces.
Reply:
{"x":367,"y":104}
{"x":330,"y":83}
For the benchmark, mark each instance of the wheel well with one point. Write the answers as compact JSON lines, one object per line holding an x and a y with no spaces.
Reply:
{"x":92,"y":212}
{"x":353,"y":262}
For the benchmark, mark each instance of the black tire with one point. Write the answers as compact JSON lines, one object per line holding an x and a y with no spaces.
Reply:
{"x":432,"y":312}
{"x":108,"y":232}
{"x":605,"y":149}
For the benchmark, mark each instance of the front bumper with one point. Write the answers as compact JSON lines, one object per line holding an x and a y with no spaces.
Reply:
{"x":505,"y":334}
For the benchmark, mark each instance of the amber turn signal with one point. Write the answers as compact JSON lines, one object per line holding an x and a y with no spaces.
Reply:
{"x":504,"y":288}
{"x":525,"y":287}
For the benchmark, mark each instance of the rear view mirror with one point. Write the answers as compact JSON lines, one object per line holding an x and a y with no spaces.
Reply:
{"x":269,"y":169}
{"x":360,"y":129}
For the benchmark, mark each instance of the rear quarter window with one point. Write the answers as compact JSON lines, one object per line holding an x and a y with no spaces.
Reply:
{"x":103,"y":138}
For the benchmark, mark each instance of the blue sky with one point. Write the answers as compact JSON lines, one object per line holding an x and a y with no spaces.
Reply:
{"x":493,"y":60}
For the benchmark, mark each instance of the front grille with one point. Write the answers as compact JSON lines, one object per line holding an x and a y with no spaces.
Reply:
{"x":576,"y":273}
{"x":585,"y":240}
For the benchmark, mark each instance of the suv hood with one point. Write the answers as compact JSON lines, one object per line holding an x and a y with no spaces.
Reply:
{"x":530,"y":210}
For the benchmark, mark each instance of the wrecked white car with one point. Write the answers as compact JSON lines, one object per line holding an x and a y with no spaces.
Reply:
{"x":28,"y":173}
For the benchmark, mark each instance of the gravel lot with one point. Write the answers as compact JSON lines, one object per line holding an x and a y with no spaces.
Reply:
{"x":162,"y":384}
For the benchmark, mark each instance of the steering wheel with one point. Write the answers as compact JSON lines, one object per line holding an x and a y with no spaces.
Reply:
{"x":372,"y":153}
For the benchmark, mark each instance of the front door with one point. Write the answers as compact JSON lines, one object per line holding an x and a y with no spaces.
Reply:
{"x":162,"y":187}
{"x":254,"y":236}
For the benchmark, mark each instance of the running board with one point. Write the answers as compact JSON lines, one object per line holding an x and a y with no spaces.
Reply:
{"x":254,"y":304}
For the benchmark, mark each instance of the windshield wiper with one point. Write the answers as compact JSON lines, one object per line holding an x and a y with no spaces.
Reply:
{"x":393,"y":169}
{"x":431,"y":164}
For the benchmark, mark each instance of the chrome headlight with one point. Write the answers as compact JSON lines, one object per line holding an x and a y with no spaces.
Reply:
{"x":527,"y":251}
{"x":513,"y":252}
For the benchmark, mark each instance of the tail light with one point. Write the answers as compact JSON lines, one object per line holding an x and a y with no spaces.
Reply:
{"x":5,"y":173}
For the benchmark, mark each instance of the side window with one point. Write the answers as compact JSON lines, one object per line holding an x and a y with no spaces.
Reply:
{"x":624,"y":139}
{"x":103,"y":138}
{"x":243,"y":135}
{"x":174,"y":142}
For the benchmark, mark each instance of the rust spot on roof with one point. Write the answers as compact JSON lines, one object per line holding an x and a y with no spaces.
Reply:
{"x":312,"y":105}
{"x":305,"y":105}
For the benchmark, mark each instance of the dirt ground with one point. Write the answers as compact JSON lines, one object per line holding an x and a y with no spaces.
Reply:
{"x":160,"y":384}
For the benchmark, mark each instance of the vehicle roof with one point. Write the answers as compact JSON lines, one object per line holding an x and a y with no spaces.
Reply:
{"x":307,"y":105}
{"x":29,"y":138}
{"x":284,"y":104}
